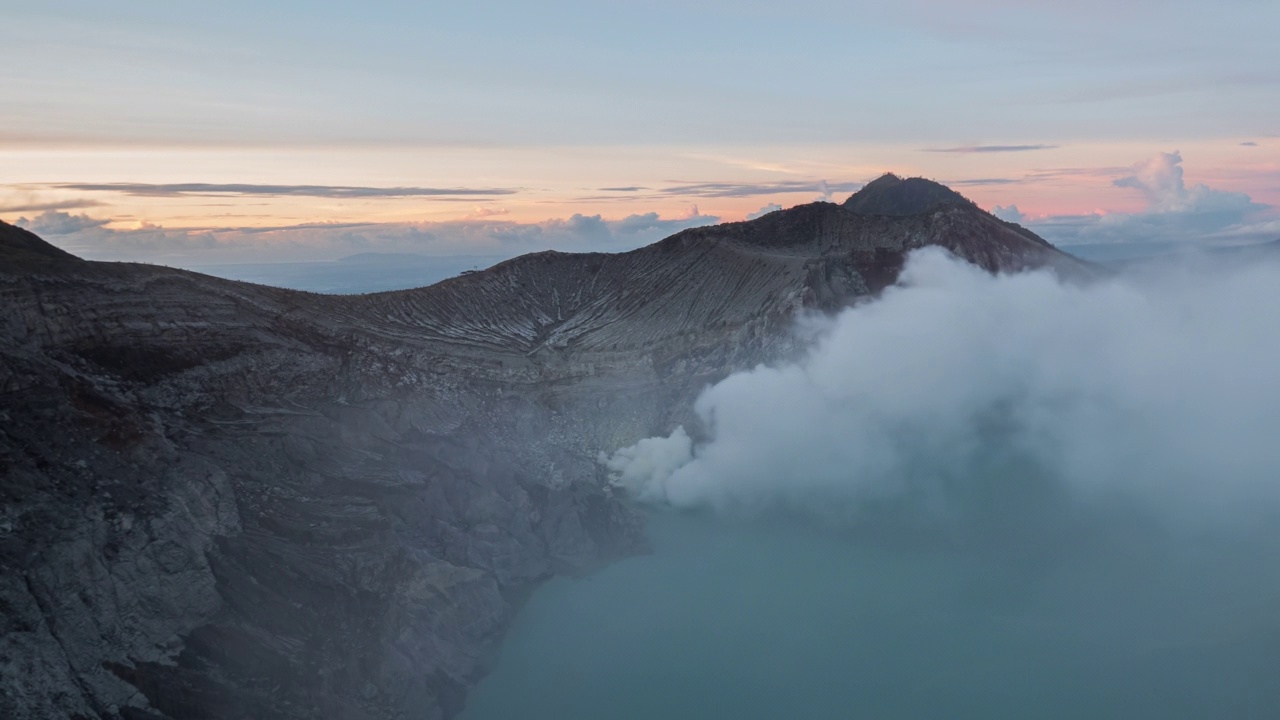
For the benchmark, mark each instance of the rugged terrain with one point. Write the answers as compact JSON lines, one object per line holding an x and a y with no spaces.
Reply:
{"x":223,"y":500}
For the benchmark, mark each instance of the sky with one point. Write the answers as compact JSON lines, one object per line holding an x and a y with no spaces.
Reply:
{"x":193,"y":133}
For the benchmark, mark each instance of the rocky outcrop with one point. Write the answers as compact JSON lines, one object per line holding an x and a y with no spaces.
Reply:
{"x":223,"y":500}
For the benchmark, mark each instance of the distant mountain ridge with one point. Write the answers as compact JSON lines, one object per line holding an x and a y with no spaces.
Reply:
{"x":226,"y":500}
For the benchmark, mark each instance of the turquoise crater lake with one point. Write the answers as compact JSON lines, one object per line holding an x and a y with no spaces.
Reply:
{"x":779,"y":619}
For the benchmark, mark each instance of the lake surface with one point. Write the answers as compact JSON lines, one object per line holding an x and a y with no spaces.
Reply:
{"x":782,"y":619}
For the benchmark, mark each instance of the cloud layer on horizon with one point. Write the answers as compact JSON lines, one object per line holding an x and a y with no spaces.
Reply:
{"x":345,"y":192}
{"x":1175,"y":213}
{"x":90,"y":238}
{"x":981,"y":149}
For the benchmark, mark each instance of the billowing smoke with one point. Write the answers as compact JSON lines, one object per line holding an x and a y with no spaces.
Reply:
{"x":959,"y":390}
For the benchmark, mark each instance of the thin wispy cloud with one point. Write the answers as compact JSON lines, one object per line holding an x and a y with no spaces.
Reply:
{"x":732,"y":189}
{"x":282,"y":228}
{"x":480,"y":212}
{"x":1046,"y":175}
{"x":1135,"y":88}
{"x":37,"y":206}
{"x":978,"y":182}
{"x":978,"y":149}
{"x":1076,"y":172}
{"x":247,"y":189}
{"x":631,"y":188}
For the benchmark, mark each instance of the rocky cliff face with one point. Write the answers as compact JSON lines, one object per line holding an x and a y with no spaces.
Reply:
{"x":223,"y":500}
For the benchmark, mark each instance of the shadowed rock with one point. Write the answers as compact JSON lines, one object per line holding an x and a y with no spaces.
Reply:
{"x":892,"y":195}
{"x":17,"y":244}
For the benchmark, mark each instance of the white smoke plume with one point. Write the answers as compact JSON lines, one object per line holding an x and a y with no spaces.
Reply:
{"x":1161,"y":388}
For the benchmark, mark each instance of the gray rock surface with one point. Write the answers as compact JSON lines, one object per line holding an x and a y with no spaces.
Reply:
{"x":223,"y":500}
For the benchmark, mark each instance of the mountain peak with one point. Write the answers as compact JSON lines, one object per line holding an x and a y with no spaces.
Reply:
{"x":892,"y":195}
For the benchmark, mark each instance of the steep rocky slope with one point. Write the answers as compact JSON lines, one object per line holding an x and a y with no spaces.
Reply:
{"x":223,"y":500}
